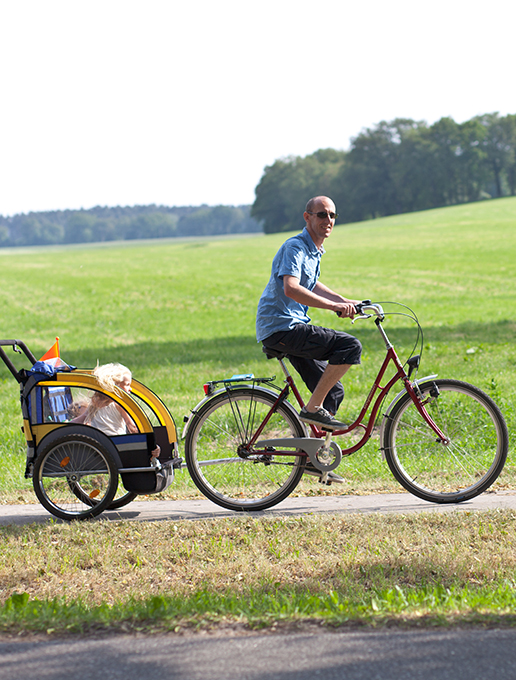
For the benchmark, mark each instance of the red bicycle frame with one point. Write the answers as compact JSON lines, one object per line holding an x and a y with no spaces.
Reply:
{"x":377,"y":389}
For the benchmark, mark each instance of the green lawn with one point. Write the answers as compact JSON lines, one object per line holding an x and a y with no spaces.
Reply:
{"x":181,"y":312}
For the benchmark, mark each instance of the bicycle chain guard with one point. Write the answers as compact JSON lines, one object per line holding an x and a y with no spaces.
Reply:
{"x":310,"y":446}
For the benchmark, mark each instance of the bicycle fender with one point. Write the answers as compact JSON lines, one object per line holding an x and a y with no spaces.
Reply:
{"x":397,"y":398}
{"x":261,"y":390}
{"x":309,"y":445}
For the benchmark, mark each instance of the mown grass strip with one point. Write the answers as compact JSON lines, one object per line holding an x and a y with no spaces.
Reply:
{"x":408,"y":569}
{"x":427,"y":606}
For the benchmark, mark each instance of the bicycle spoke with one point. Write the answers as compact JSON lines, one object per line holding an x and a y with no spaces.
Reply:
{"x":222,"y":429}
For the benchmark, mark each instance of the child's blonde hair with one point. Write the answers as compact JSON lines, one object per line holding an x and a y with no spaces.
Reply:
{"x":109,"y":376}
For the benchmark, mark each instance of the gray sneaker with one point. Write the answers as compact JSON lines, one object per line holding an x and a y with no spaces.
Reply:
{"x":321,"y":417}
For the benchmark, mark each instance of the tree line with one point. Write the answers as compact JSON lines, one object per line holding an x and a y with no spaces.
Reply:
{"x":395,"y":167}
{"x":123,"y":223}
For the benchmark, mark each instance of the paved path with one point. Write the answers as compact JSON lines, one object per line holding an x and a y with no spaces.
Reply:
{"x":443,"y":654}
{"x":149,"y":511}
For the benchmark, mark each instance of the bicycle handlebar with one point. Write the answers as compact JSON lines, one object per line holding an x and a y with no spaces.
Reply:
{"x":363,"y":308}
{"x":19,"y":347}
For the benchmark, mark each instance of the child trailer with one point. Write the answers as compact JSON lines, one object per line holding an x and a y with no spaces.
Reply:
{"x":74,"y":467}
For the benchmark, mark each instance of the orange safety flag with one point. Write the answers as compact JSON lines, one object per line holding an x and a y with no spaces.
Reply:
{"x":52,"y":357}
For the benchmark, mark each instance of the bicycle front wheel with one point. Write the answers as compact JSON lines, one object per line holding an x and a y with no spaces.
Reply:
{"x":217,"y":434}
{"x":452,"y":472}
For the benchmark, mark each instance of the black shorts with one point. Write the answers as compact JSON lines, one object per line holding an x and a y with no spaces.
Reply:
{"x":316,"y":342}
{"x":310,"y":349}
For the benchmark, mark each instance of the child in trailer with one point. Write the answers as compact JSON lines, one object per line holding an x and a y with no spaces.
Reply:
{"x":105,"y":414}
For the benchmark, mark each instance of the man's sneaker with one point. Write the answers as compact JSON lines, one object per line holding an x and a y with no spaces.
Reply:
{"x":321,"y":417}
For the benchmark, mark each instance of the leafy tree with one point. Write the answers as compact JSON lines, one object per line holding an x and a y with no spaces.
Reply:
{"x":286,"y":186}
{"x":32,"y":229}
{"x":395,"y":166}
{"x":455,"y":161}
{"x":221,"y":219}
{"x":383,"y":171}
{"x":498,"y":147}
{"x":4,"y":235}
{"x":509,"y":123}
{"x":80,"y":227}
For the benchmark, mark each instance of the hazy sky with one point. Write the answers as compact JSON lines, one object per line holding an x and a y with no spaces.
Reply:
{"x":132,"y":102}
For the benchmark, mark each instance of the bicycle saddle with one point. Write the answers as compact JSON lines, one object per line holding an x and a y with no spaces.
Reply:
{"x":272,"y":353}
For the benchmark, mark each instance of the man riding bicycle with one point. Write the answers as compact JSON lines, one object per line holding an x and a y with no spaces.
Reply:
{"x":320,"y":355}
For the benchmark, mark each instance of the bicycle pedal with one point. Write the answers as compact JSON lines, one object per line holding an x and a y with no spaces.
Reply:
{"x":326,"y":478}
{"x":330,"y":478}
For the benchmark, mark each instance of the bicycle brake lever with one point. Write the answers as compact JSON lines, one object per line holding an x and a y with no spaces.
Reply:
{"x":362,"y":316}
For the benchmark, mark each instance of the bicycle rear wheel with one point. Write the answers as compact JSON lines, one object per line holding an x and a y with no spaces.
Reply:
{"x":219,"y":430}
{"x":70,"y":469}
{"x":453,"y":472}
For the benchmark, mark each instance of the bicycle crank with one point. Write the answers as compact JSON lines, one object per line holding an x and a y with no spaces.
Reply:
{"x":325,"y":457}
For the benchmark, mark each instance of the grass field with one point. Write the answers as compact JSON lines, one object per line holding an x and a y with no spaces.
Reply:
{"x":179,"y":313}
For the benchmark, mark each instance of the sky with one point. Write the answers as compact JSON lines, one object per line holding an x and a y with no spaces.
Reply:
{"x":185,"y":102}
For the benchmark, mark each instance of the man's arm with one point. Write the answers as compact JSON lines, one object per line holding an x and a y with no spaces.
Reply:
{"x":321,"y":297}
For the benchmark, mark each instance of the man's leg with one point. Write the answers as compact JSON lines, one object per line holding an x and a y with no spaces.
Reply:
{"x":311,"y":370}
{"x":332,"y":374}
{"x":316,"y":343}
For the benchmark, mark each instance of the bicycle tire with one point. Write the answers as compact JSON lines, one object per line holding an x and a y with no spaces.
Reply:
{"x":125,"y":498}
{"x":454,"y":472}
{"x":122,"y":500}
{"x":222,"y":425}
{"x":70,"y":460}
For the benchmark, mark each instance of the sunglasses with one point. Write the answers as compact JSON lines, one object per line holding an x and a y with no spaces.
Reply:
{"x":322,"y":215}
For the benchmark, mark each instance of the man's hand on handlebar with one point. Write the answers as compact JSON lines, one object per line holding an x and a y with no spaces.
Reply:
{"x":346,"y":309}
{"x":357,"y":308}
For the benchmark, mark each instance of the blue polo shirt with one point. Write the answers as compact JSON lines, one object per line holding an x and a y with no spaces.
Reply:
{"x":299,"y":257}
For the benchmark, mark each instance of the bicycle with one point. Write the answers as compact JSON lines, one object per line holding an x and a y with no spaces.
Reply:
{"x":444,"y":440}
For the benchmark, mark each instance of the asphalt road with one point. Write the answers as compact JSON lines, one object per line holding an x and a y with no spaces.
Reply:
{"x":147,"y":511}
{"x":344,"y":655}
